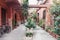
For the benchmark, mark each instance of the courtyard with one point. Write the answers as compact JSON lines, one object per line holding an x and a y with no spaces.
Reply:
{"x":29,"y":19}
{"x":19,"y":34}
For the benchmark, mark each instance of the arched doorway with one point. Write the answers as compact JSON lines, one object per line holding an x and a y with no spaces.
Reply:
{"x":14,"y":21}
{"x":3,"y":16}
{"x":44,"y":18}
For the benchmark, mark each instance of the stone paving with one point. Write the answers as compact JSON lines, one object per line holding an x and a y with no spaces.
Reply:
{"x":40,"y":34}
{"x":19,"y":34}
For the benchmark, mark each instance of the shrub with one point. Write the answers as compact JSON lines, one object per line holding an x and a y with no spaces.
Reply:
{"x":57,"y":30}
{"x":34,"y":16}
{"x":30,"y":24}
{"x":47,"y":28}
{"x":41,"y":22}
{"x":58,"y":38}
{"x":29,"y":34}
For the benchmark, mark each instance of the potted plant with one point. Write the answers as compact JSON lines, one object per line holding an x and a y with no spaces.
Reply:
{"x":29,"y":28}
{"x":30,"y":24}
{"x":29,"y":34}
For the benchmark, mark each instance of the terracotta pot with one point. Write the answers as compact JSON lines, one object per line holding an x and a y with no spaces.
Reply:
{"x":53,"y":34}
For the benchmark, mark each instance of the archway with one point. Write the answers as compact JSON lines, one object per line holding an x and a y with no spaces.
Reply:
{"x":3,"y":17}
{"x":14,"y":21}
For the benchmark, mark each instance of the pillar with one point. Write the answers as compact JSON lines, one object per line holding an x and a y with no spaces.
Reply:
{"x":10,"y":17}
{"x":0,"y":15}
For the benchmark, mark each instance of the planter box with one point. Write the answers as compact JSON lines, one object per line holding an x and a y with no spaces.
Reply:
{"x":53,"y":34}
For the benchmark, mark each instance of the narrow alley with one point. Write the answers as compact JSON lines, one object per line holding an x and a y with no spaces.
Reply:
{"x":16,"y":34}
{"x":19,"y":34}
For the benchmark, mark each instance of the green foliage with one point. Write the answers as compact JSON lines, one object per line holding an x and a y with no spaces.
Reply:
{"x":56,"y":2}
{"x":58,"y":38}
{"x":24,"y":12}
{"x":30,"y":24}
{"x":29,"y":34}
{"x":55,"y":8}
{"x":48,"y":28}
{"x":34,"y":16}
{"x":57,"y":30}
{"x":41,"y":22}
{"x":25,"y":8}
{"x":57,"y":23}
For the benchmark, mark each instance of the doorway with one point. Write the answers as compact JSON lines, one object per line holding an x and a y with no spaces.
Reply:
{"x":3,"y":16}
{"x":14,"y":21}
{"x":44,"y":18}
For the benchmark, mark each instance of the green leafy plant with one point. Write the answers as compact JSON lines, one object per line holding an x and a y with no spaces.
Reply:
{"x":25,"y":8}
{"x":48,"y":28}
{"x":34,"y":16}
{"x":57,"y":30}
{"x":30,"y":24}
{"x":41,"y":22}
{"x":58,"y":38}
{"x":29,"y":34}
{"x":55,"y":8}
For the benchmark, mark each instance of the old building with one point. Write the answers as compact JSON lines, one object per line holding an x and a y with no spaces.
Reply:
{"x":10,"y":13}
{"x":42,"y":9}
{"x":44,"y":12}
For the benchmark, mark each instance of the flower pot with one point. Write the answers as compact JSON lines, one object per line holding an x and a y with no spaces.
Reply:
{"x":28,"y":38}
{"x":29,"y":30}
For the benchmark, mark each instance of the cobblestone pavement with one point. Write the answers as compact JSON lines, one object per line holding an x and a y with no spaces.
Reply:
{"x":19,"y":34}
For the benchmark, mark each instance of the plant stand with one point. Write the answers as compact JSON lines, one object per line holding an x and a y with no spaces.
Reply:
{"x":29,"y":34}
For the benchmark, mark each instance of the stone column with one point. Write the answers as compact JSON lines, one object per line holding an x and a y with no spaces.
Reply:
{"x":48,"y":18}
{"x":10,"y":17}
